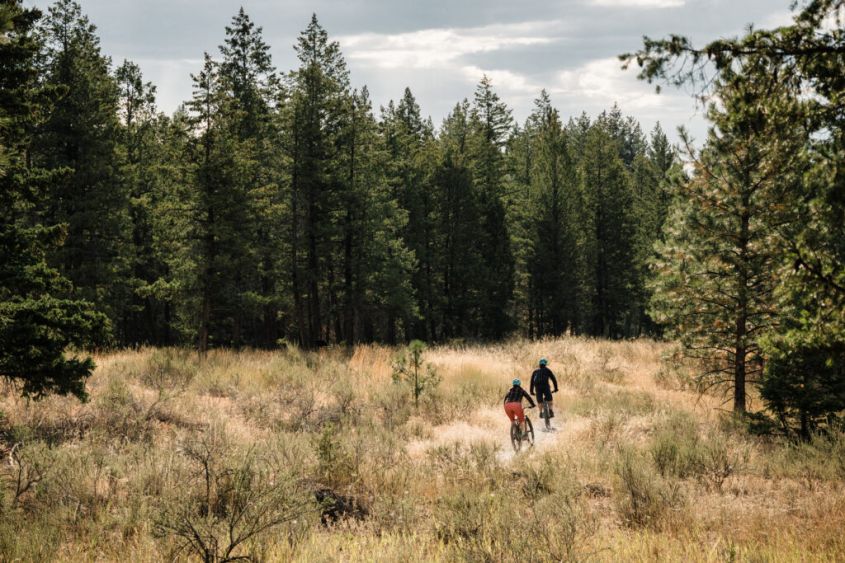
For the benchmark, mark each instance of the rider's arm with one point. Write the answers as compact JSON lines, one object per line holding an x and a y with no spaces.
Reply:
{"x":554,"y":380}
{"x":532,"y":383}
{"x":530,"y":400}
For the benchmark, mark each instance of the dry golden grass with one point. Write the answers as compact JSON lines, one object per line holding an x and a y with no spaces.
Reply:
{"x":641,"y":467}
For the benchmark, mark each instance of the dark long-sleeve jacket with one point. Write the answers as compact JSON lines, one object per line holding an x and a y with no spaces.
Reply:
{"x":540,"y":379}
{"x":516,"y":394}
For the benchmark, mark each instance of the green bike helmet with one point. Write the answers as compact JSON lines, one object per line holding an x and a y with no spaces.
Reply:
{"x":517,"y":382}
{"x":543,"y":362}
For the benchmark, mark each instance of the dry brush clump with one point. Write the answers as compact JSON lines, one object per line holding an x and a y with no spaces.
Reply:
{"x":226,"y":499}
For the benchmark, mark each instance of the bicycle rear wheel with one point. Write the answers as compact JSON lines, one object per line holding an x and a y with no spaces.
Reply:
{"x":516,"y":439}
{"x":529,"y":432}
{"x":546,"y":413}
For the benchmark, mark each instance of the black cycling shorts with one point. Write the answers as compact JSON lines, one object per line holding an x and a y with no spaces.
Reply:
{"x":544,"y":394}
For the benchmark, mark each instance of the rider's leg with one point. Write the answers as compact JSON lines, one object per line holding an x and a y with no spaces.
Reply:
{"x":546,"y":395}
{"x":522,"y":420}
{"x":515,"y":413}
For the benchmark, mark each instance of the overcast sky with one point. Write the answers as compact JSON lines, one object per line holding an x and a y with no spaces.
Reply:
{"x":441,"y":48}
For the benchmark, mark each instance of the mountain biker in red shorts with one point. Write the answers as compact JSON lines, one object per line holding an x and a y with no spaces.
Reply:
{"x":513,"y":403}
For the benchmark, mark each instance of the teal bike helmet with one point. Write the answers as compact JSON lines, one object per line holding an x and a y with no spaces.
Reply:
{"x":517,"y":382}
{"x":543,"y":362}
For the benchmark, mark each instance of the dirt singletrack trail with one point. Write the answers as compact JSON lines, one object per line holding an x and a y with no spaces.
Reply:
{"x":490,"y":425}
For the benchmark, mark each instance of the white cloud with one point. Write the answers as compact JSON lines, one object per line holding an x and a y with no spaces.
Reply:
{"x":639,"y":3}
{"x":443,"y":56}
{"x":598,"y":84}
{"x":504,"y":81}
{"x":603,"y":80}
{"x":432,"y":48}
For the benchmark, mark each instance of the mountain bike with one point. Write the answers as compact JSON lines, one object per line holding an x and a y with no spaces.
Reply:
{"x":518,"y":437}
{"x":545,"y":412}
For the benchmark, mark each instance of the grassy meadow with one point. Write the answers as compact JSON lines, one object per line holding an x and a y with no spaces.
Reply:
{"x":320,"y":456}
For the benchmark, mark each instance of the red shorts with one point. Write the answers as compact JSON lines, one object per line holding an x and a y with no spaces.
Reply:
{"x":514,"y":410}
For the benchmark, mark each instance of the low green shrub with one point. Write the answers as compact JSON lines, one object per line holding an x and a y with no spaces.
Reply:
{"x":820,"y":459}
{"x":675,"y":446}
{"x":645,"y":499}
{"x":459,"y":461}
{"x":678,"y":450}
{"x":120,"y":415}
{"x":478,"y":526}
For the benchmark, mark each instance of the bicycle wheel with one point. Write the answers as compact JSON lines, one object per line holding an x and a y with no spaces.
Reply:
{"x":516,"y":440}
{"x":546,"y":417}
{"x":529,"y":432}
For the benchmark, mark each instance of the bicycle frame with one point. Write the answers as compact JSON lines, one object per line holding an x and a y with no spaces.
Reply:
{"x":546,"y":410}
{"x":518,"y":436}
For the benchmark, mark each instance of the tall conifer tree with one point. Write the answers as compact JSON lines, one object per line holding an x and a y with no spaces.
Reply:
{"x":607,"y":271}
{"x":141,"y":157}
{"x":411,"y":145}
{"x":491,"y":123}
{"x":552,"y":260}
{"x":250,"y":82}
{"x":81,"y":134}
{"x":319,"y":91}
{"x":39,"y":320}
{"x":458,"y":224}
{"x":713,"y":282}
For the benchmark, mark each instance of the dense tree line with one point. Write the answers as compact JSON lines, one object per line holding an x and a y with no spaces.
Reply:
{"x":279,"y":206}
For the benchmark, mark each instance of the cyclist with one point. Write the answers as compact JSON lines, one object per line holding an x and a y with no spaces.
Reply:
{"x":541,"y":388}
{"x":513,"y":404}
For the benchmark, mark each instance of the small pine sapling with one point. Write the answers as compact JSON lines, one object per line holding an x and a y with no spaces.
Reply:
{"x":410,"y":367}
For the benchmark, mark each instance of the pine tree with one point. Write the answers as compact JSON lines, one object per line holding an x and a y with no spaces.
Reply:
{"x":81,"y":135}
{"x":804,"y":379}
{"x":39,"y":320}
{"x":249,"y":79}
{"x":490,"y":124}
{"x":377,"y":267}
{"x":626,"y":132}
{"x":551,"y":261}
{"x":606,"y":271}
{"x":801,"y":136}
{"x":248,"y":72}
{"x":714,"y":278}
{"x":652,"y":170}
{"x":410,"y":142}
{"x":141,"y":157}
{"x":519,"y":161}
{"x":176,"y":225}
{"x":318,"y":94}
{"x":458,"y":222}
{"x":219,"y":211}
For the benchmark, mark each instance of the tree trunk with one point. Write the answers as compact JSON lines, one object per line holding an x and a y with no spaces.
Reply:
{"x":742,"y":307}
{"x":296,"y":285}
{"x":315,"y":323}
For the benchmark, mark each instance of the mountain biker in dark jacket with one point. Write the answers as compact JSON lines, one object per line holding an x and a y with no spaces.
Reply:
{"x":513,"y":403}
{"x":540,"y":385}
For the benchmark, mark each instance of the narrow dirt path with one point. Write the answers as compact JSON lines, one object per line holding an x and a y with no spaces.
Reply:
{"x":490,"y":425}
